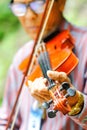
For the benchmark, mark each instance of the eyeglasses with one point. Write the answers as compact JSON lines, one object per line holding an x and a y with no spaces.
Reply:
{"x":19,"y":9}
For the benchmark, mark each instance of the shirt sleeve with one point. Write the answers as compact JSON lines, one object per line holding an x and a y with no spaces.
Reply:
{"x":81,"y":118}
{"x":14,"y":79}
{"x":9,"y":99}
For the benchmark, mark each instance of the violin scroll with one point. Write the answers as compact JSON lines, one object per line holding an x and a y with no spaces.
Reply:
{"x":59,"y":101}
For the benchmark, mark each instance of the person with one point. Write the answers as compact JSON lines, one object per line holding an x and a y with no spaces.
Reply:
{"x":29,"y":13}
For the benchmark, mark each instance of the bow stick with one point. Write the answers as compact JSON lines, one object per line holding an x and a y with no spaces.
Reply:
{"x":29,"y":66}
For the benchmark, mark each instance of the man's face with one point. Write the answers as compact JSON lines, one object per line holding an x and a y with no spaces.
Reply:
{"x":31,"y":20}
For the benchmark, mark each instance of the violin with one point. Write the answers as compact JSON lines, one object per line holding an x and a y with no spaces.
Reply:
{"x":57,"y":55}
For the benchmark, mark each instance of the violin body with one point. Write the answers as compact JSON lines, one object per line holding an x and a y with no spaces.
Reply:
{"x":60,"y":53}
{"x":62,"y":59}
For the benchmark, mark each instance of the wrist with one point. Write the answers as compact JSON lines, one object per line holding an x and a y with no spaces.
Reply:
{"x":77,"y":108}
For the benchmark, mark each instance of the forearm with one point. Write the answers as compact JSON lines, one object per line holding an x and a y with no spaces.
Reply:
{"x":81,"y":118}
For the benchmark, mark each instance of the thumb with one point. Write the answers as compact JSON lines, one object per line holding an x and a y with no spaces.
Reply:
{"x":59,"y":76}
{"x":28,"y":83}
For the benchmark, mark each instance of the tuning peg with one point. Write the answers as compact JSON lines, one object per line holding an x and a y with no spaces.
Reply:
{"x":70,"y":92}
{"x":46,"y":105}
{"x":65,"y":85}
{"x":52,"y":113}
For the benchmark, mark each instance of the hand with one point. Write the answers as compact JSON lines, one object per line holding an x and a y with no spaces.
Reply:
{"x":38,"y":89}
{"x":60,"y":77}
{"x":75,"y":102}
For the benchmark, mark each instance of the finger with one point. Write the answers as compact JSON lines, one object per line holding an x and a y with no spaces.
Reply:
{"x":45,"y":81}
{"x":59,"y":76}
{"x":28,"y":83}
{"x":44,"y":92}
{"x":41,"y":98}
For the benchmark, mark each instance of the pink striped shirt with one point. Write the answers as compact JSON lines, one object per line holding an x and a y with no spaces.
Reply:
{"x":79,"y":80}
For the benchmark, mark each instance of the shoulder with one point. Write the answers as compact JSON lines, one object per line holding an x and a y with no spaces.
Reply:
{"x":22,"y":53}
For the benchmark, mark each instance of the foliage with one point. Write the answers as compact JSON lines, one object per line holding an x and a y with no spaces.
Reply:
{"x":8,"y":22}
{"x":12,"y":37}
{"x":8,"y":47}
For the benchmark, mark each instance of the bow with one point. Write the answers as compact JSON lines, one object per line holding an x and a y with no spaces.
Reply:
{"x":30,"y":61}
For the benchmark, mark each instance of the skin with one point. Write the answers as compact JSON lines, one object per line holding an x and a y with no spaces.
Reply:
{"x":31,"y":23}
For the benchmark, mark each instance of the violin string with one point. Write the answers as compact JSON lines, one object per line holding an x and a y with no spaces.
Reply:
{"x":44,"y":63}
{"x":47,"y":59}
{"x":42,"y":60}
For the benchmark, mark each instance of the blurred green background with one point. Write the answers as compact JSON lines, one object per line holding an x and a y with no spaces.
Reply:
{"x":12,"y":36}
